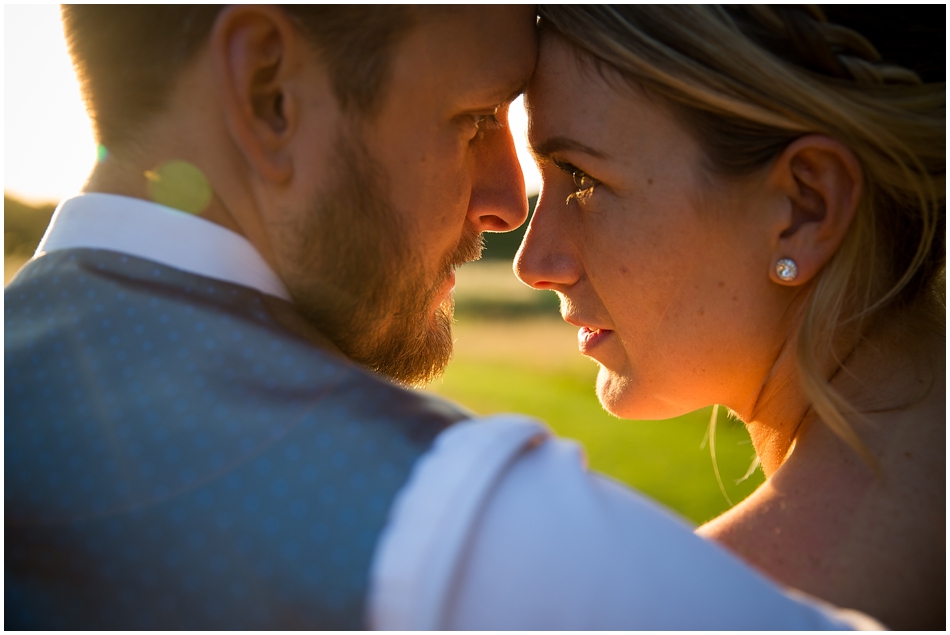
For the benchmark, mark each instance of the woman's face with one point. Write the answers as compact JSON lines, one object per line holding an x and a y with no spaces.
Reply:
{"x":663,"y":267}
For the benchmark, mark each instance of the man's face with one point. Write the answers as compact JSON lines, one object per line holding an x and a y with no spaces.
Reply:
{"x":409,"y":191}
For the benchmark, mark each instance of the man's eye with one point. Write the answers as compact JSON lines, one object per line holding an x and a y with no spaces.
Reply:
{"x":486,"y":122}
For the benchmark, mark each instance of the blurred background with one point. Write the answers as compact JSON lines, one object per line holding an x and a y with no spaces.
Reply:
{"x":513,"y":352}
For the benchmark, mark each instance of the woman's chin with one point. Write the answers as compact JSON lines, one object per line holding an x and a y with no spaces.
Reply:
{"x":615,"y":392}
{"x":622,"y":396}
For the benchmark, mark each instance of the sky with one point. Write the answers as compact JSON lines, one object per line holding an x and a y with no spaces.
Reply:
{"x":48,"y":147}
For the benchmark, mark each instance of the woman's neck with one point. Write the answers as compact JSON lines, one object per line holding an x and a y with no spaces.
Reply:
{"x":829,"y":523}
{"x":776,"y":416}
{"x":880,"y":363}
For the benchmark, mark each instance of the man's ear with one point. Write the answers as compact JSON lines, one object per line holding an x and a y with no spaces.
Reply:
{"x":257,"y":51}
{"x":820,"y":181}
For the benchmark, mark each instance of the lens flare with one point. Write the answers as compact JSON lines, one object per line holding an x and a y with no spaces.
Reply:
{"x":180,"y":185}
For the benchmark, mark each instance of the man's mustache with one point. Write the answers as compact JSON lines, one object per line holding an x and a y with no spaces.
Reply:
{"x":469,"y":249}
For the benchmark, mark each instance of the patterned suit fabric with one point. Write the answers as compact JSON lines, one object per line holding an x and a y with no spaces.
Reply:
{"x":175,"y":459}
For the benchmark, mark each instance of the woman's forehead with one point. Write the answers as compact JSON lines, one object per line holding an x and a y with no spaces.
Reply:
{"x":574,"y":101}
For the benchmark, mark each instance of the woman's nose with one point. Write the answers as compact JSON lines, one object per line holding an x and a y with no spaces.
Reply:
{"x":498,"y":202}
{"x":547,"y":258}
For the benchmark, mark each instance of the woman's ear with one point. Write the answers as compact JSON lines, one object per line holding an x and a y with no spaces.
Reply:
{"x":257,"y":52}
{"x":820,"y":180}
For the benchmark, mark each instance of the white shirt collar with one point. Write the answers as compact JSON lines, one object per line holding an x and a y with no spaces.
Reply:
{"x":154,"y":232}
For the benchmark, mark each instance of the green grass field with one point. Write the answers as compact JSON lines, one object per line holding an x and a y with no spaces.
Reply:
{"x":514,"y":354}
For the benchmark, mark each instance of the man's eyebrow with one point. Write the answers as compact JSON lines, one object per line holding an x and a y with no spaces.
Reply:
{"x":557,"y":144}
{"x":506,"y":94}
{"x":513,"y":95}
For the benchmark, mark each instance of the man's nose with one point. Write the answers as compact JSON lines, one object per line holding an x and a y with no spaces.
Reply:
{"x":498,"y":202}
{"x":547,"y":258}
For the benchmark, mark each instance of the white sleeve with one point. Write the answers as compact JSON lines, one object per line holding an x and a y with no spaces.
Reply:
{"x":502,"y":527}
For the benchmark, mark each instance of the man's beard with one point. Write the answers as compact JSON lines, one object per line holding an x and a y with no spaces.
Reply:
{"x":354,"y":274}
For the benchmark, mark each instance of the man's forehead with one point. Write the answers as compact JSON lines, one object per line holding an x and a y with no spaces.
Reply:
{"x":485,"y":53}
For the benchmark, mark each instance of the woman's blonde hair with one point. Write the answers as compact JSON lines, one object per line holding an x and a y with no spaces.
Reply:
{"x":746,"y":82}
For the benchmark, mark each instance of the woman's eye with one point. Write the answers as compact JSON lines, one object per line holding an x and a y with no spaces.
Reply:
{"x":584,"y":183}
{"x":582,"y":180}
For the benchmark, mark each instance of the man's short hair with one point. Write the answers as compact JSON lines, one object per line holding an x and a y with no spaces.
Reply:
{"x":128,"y":56}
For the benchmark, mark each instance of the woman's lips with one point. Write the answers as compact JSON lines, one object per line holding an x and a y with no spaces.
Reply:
{"x":588,"y":339}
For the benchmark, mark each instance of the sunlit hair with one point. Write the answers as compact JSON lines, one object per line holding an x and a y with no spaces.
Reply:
{"x":746,"y":82}
{"x":127,"y":56}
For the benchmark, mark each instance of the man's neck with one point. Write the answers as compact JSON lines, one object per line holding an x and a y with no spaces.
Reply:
{"x":133,"y":176}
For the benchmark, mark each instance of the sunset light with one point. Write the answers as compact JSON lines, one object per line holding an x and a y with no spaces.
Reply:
{"x":49,"y":148}
{"x":48,"y":144}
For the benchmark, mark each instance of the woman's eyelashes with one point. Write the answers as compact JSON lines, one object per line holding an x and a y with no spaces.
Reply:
{"x":584,"y":183}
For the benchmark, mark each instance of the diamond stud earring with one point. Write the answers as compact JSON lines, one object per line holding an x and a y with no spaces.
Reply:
{"x":786,"y":269}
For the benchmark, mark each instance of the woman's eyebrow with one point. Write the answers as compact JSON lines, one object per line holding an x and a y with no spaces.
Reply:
{"x":552,"y":145}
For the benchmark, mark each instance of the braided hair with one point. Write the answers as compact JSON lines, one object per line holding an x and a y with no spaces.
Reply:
{"x":745,"y":82}
{"x":802,"y":36}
